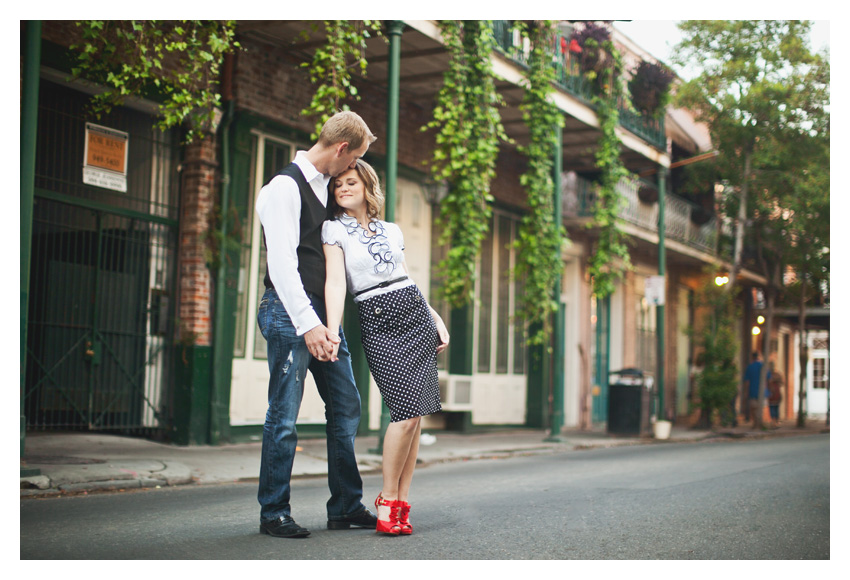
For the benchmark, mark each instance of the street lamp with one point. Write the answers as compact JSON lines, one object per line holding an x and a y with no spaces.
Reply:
{"x":435,"y":191}
{"x":721,"y":280}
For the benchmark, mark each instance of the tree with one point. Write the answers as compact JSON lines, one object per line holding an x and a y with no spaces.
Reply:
{"x":175,"y":62}
{"x":717,"y":380}
{"x":759,"y":89}
{"x":791,"y":227}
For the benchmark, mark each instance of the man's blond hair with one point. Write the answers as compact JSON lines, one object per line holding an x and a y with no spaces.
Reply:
{"x":346,"y":127}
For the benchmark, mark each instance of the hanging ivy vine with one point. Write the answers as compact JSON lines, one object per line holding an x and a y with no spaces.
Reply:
{"x":611,"y":246}
{"x":540,"y":237}
{"x":467,"y":144}
{"x":331,"y":68}
{"x":175,"y":62}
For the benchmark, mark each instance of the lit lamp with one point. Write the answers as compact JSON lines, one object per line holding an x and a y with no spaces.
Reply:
{"x":435,"y":191}
{"x":721,"y":280}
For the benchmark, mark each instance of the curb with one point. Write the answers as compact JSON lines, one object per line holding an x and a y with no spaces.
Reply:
{"x":111,"y":476}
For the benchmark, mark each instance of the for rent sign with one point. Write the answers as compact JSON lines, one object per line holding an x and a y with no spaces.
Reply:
{"x":105,"y":157}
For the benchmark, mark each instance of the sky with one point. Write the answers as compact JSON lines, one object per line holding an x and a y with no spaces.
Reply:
{"x":658,"y":37}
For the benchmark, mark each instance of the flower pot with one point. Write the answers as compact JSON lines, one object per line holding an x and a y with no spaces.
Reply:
{"x":647,"y":194}
{"x":700,"y":216}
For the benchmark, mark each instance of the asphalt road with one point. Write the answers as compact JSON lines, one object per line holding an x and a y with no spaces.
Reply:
{"x":727,"y":500}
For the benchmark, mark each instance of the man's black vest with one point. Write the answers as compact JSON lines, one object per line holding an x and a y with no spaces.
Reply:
{"x":311,"y":256}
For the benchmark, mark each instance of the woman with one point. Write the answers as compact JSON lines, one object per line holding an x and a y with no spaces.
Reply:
{"x":401,"y":334}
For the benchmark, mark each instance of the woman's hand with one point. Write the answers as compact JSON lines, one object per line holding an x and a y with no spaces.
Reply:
{"x":442,"y":331}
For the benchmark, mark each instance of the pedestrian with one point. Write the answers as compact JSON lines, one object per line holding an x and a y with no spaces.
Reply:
{"x":401,"y":333}
{"x":292,"y":207}
{"x":775,"y":385}
{"x":752,"y":379}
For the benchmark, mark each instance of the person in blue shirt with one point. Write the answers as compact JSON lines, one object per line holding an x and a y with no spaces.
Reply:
{"x":752,"y":377}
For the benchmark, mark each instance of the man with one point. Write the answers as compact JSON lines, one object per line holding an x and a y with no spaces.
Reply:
{"x":752,"y":378}
{"x":292,"y":208}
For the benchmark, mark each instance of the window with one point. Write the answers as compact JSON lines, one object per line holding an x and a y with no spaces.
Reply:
{"x":820,"y":378}
{"x":268,"y":157}
{"x":501,"y":344}
{"x":646,"y":342}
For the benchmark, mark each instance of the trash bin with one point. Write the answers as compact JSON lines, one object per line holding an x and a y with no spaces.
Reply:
{"x":629,"y":402}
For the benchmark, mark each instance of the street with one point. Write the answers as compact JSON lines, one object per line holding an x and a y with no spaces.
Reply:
{"x":724,"y":500}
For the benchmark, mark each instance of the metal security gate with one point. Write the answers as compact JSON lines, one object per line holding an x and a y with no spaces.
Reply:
{"x":102,"y":277}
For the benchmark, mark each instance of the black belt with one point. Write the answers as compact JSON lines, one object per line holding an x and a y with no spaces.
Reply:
{"x":381,"y":285}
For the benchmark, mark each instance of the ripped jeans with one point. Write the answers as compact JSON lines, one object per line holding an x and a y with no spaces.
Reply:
{"x":289,"y":361}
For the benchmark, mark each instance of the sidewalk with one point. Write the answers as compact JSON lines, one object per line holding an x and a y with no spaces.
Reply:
{"x":69,"y":463}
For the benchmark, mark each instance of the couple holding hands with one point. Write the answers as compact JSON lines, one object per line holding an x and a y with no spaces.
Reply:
{"x":323,"y":236}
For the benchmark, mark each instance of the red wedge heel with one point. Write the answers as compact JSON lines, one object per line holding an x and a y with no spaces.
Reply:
{"x":404,"y":519}
{"x":392,"y":526}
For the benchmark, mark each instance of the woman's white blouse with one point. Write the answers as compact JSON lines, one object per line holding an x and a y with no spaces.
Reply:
{"x":369,"y":259}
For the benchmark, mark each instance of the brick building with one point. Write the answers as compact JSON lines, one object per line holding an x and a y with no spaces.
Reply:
{"x":154,"y":329}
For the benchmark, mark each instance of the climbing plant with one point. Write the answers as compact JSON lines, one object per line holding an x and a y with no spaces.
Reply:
{"x":344,"y":50}
{"x":540,"y":237}
{"x":176,"y":63}
{"x":611,"y":244}
{"x":466,"y":147}
{"x":718,"y":341}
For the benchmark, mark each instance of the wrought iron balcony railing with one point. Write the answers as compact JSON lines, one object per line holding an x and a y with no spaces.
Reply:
{"x":570,"y":79}
{"x":681,"y":217}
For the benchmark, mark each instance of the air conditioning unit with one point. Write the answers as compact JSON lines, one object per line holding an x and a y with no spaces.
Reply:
{"x":456,"y":392}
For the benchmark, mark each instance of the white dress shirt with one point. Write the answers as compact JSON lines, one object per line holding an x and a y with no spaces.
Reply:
{"x":279,"y":209}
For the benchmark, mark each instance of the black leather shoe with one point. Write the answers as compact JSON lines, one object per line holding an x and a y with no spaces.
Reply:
{"x":283,"y":527}
{"x":364,"y":519}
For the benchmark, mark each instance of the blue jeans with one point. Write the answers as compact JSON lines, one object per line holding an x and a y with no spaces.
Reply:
{"x":289,"y":361}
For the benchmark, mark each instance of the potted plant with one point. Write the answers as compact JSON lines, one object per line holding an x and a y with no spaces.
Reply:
{"x":647,"y":193}
{"x":589,"y":44}
{"x":650,"y":88}
{"x":700,"y":216}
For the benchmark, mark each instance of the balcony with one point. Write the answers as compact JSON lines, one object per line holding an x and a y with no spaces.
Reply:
{"x":680,"y":216}
{"x":570,"y":79}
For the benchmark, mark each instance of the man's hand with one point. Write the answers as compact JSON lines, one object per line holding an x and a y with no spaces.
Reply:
{"x":322,"y":343}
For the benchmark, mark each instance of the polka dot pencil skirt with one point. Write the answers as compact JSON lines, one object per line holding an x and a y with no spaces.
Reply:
{"x":400,"y":340}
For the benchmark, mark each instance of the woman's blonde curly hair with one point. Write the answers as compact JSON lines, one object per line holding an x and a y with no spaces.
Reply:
{"x":372,"y":188}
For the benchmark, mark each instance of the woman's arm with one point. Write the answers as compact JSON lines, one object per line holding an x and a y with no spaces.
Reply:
{"x":334,"y":290}
{"x":442,"y":331}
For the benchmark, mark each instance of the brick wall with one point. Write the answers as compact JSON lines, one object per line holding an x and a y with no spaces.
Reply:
{"x":199,"y":189}
{"x":270,"y":82}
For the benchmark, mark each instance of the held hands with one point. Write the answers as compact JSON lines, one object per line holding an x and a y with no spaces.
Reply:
{"x":322,"y":343}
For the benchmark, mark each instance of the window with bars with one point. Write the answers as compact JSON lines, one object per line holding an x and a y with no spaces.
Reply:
{"x":819,"y":373}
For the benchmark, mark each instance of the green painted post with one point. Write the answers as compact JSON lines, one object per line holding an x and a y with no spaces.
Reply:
{"x":394,"y":30}
{"x":219,"y":423}
{"x":659,"y":310}
{"x":29,"y":129}
{"x":557,"y":410}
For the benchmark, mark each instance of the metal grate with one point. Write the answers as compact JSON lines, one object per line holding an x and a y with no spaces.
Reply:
{"x":102,"y":277}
